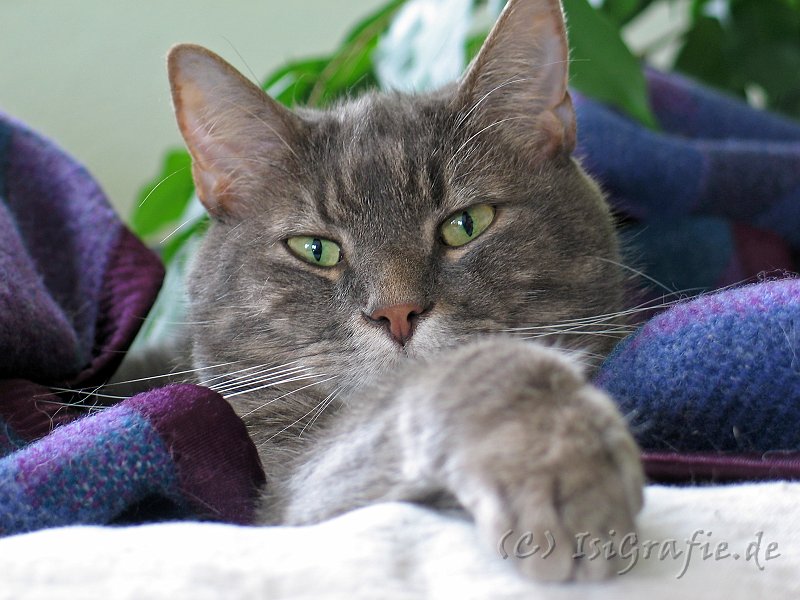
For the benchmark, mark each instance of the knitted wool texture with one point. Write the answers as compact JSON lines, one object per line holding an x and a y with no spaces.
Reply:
{"x":75,"y":285}
{"x":720,"y":372}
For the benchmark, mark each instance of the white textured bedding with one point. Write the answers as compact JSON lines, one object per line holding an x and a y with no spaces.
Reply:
{"x":399,"y":550}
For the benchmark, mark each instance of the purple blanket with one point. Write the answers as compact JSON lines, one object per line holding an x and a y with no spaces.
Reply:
{"x":75,"y":285}
{"x":711,"y":385}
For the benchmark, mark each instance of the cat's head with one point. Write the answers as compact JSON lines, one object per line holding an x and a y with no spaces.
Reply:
{"x":393,"y":225}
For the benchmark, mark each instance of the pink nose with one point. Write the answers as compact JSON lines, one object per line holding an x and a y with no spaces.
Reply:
{"x":399,"y":320}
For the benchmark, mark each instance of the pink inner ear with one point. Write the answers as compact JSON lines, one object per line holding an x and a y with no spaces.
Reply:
{"x":211,"y":188}
{"x":209,"y":168}
{"x":528,"y":46}
{"x":554,"y":71}
{"x":557,"y":127}
{"x":213,"y":152}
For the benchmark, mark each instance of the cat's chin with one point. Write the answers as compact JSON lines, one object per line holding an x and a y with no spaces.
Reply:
{"x":377,"y":364}
{"x":415,"y":349}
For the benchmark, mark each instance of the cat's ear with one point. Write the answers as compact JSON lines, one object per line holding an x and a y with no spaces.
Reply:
{"x":231,"y":127}
{"x":518,"y":81}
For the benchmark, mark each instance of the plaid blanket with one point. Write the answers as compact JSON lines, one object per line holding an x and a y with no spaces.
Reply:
{"x":710,"y":202}
{"x":75,"y":285}
{"x":711,"y":385}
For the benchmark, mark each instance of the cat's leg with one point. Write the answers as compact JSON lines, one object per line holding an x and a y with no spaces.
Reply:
{"x":512,"y":430}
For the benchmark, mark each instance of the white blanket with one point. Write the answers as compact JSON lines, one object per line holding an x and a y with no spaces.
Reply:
{"x":398,"y":551}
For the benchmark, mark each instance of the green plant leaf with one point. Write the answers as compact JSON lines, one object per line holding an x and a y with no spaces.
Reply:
{"x":622,"y":11}
{"x":163,"y":199}
{"x":702,"y":54}
{"x":350,"y":69}
{"x":292,"y":83}
{"x":756,"y":45}
{"x":347,"y":72}
{"x":602,"y":66}
{"x":317,"y":82}
{"x":375,"y":23}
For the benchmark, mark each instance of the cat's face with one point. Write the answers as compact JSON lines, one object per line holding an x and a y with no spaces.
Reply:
{"x":393,"y":226}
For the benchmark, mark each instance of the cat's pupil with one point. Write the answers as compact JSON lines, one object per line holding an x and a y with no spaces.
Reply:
{"x":316,"y":249}
{"x":466,"y":223}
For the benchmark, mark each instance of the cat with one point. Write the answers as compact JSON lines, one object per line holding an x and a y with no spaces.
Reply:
{"x":368,"y":271}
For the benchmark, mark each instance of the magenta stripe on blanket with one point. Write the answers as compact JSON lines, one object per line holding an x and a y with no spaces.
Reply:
{"x":676,"y":467}
{"x":745,"y":302}
{"x":131,"y":281}
{"x":182,"y":442}
{"x":217,"y":462}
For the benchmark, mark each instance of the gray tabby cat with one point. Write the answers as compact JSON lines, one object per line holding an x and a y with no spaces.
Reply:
{"x":377,"y":256}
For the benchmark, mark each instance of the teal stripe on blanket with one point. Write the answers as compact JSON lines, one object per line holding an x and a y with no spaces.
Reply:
{"x":116,"y":459}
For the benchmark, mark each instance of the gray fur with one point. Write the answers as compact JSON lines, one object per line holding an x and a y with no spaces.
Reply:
{"x":464,"y":410}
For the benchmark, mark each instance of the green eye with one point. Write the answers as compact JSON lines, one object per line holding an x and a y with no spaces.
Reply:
{"x":465,"y":226}
{"x":317,"y":251}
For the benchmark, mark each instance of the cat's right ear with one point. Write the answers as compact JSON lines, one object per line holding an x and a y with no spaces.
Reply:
{"x":231,"y":127}
{"x":517,"y":85}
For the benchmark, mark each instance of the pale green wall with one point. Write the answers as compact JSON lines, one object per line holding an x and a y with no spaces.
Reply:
{"x":90,"y":73}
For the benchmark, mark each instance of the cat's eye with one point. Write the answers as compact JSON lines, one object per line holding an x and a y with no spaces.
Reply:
{"x":314,"y":250}
{"x":466,"y":225}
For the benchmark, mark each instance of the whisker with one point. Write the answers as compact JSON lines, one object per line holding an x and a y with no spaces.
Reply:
{"x":178,"y":228}
{"x":638,"y":273}
{"x":187,"y":371}
{"x":575,"y":331}
{"x":89,"y":407}
{"x":508,"y":81}
{"x":87,"y":394}
{"x":563,"y":333}
{"x":277,"y":383}
{"x":606,"y":317}
{"x":247,"y":66}
{"x":158,"y":185}
{"x":474,"y":135}
{"x":293,"y":374}
{"x":320,"y":408}
{"x":297,"y":420}
{"x":282,"y":395}
{"x":266,"y":124}
{"x":206,"y":382}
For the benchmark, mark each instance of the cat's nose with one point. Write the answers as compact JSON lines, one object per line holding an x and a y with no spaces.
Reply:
{"x":398,"y":319}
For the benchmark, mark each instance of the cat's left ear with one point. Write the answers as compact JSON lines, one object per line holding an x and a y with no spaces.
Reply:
{"x":518,"y":82}
{"x":233,"y":130}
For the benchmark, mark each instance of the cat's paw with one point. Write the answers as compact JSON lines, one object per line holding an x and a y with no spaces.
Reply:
{"x":544,"y":463}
